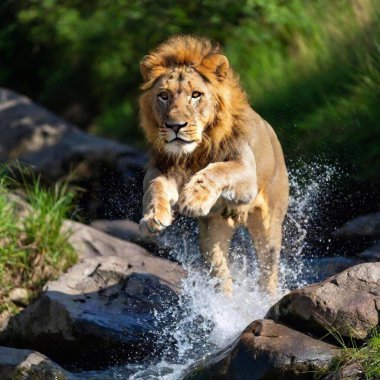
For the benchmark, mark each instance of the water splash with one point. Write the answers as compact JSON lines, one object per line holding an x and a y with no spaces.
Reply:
{"x":209,"y":321}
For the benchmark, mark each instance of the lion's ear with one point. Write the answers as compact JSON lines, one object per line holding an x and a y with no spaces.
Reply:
{"x":147,"y":64}
{"x":218,"y":64}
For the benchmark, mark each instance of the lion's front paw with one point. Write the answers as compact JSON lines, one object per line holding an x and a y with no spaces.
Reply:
{"x":198,"y":197}
{"x":154,"y":222}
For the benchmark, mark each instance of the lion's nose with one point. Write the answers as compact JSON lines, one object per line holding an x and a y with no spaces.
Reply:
{"x":176,"y":125}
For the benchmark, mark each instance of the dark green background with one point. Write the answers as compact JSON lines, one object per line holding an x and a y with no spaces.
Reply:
{"x":311,"y":68}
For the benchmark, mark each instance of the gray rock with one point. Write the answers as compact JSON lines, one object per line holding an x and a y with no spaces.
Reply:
{"x":90,"y":242}
{"x":105,"y":310}
{"x":52,"y":146}
{"x":120,"y":228}
{"x":350,"y":371}
{"x":366,"y":225}
{"x":130,"y":231}
{"x":268,"y":350}
{"x":347,"y":303}
{"x":29,"y":365}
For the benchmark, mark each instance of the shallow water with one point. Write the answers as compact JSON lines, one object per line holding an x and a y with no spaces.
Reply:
{"x":208,"y":321}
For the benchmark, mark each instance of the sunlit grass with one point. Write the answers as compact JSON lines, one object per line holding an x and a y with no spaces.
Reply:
{"x":33,"y":249}
{"x":366,"y":357}
{"x":317,"y":81}
{"x":363,"y":355}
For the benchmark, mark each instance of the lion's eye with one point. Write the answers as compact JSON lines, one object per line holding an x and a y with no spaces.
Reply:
{"x":196,"y":94}
{"x":163,"y":95}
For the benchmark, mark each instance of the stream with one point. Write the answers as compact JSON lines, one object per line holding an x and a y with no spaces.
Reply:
{"x":206,"y":322}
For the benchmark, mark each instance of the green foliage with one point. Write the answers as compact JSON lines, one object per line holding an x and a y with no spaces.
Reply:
{"x":367,"y":357}
{"x":33,"y":248}
{"x":322,"y":97}
{"x":311,"y":67}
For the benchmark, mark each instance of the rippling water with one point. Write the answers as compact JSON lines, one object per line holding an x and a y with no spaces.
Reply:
{"x":208,"y":321}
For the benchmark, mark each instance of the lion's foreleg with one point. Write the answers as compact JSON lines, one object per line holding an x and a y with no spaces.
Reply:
{"x":215,"y":234}
{"x":160,"y":193}
{"x":235,"y":181}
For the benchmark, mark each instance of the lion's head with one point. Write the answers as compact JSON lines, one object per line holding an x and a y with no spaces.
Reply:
{"x":187,"y":92}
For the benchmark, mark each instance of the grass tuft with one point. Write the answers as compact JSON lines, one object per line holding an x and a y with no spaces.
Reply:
{"x":33,"y":249}
{"x":365,"y":356}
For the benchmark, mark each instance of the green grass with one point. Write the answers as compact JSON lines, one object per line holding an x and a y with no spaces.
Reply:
{"x":367,"y":357}
{"x":310,"y":67}
{"x":33,"y":249}
{"x":317,"y":81}
{"x":364,"y":356}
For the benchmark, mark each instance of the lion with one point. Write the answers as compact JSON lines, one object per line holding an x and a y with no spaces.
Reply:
{"x":212,"y":157}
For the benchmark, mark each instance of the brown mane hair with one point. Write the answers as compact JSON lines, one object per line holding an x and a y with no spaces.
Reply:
{"x":220,"y":138}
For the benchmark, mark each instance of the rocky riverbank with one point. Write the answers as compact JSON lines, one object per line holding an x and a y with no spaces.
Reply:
{"x":118,"y":303}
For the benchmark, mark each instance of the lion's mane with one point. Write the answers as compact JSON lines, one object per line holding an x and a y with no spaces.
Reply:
{"x":221,"y":136}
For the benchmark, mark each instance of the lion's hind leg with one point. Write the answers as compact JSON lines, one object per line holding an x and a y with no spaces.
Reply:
{"x":266,"y":231}
{"x":215,"y":234}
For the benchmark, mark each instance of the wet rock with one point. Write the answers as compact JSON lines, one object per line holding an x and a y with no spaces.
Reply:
{"x":268,"y":350}
{"x":348,"y":303}
{"x":351,"y":371}
{"x":27,"y":364}
{"x":120,"y":228}
{"x":90,"y":242}
{"x":52,"y":146}
{"x":372,"y":253}
{"x":130,"y":231}
{"x":366,"y":225}
{"x":105,"y":310}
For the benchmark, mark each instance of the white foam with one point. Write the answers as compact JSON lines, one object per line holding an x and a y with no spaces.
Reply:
{"x":211,"y":321}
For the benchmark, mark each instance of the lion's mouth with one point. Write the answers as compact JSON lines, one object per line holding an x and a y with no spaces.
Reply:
{"x":181,"y":141}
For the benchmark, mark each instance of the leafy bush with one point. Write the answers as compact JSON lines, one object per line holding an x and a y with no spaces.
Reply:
{"x":310,"y":67}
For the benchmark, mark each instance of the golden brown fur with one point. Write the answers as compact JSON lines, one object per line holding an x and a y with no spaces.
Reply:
{"x":212,"y":156}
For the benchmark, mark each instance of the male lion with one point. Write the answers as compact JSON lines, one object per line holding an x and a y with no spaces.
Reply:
{"x":212,"y":156}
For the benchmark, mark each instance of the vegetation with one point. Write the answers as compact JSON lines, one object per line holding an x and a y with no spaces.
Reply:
{"x":311,"y":67}
{"x":33,"y":248}
{"x":366,"y":357}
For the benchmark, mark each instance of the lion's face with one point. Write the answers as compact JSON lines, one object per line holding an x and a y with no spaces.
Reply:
{"x":182,"y":106}
{"x":186,"y":92}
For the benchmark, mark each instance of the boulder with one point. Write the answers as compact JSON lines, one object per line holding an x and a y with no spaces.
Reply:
{"x":120,"y":228}
{"x":90,"y":242}
{"x":130,"y":231}
{"x":350,"y":371}
{"x":105,"y":310}
{"x":268,"y":350}
{"x":27,"y":364}
{"x":362,"y":226}
{"x":52,"y":146}
{"x":110,"y":173}
{"x":347,"y":303}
